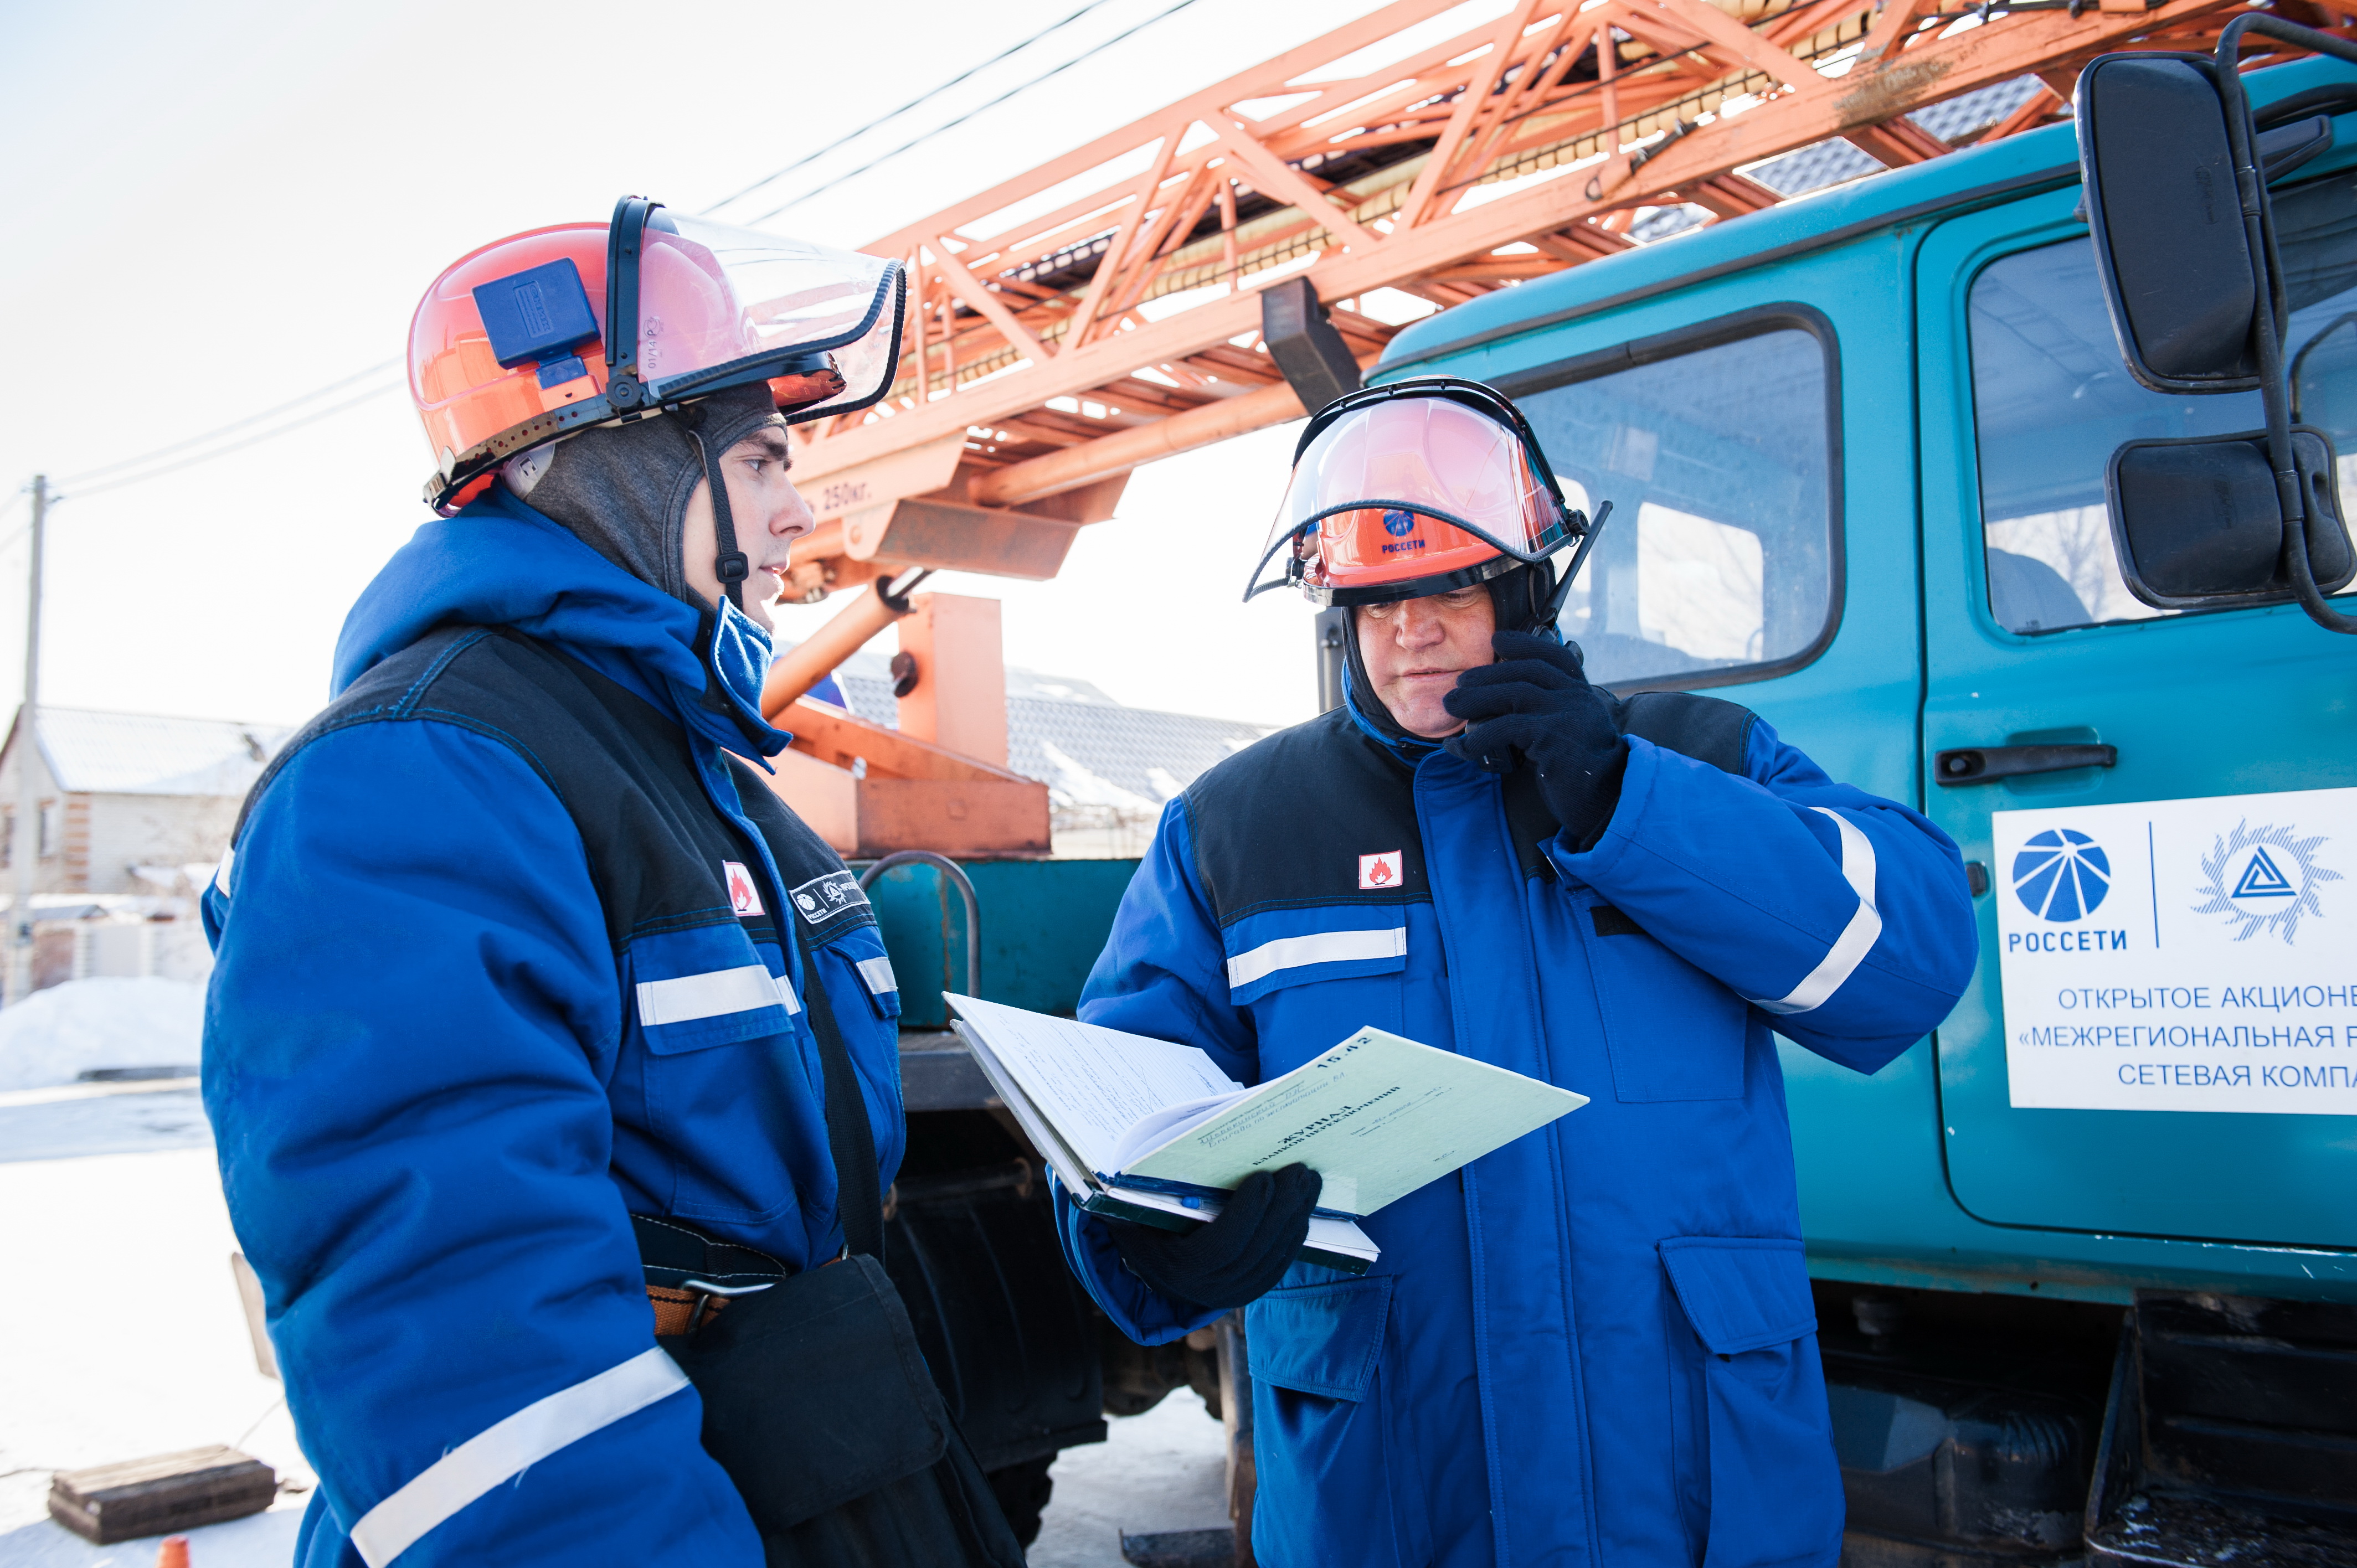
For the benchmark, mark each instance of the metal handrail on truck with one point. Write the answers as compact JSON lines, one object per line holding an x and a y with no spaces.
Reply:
{"x":965,"y":885}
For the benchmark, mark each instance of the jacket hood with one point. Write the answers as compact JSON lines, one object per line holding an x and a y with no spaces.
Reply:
{"x":500,"y":563}
{"x":623,"y":490}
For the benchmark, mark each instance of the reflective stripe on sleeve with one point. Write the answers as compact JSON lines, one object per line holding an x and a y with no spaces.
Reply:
{"x":707,"y":995}
{"x":498,"y":1453}
{"x":1850,"y":948}
{"x":786,"y":994}
{"x":1325,"y":947}
{"x":877,"y":974}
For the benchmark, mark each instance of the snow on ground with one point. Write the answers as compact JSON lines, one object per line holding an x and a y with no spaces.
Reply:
{"x":1165,"y":1470}
{"x":59,"y":1034}
{"x":133,"y":1343}
{"x":130,"y":1341}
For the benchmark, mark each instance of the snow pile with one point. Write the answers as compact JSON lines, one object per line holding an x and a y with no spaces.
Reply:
{"x":55,"y":1036}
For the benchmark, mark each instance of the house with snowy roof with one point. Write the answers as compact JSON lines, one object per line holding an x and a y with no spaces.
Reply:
{"x":130,"y":803}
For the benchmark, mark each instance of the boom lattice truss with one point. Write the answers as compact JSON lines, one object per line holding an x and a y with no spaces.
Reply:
{"x":1102,"y":309}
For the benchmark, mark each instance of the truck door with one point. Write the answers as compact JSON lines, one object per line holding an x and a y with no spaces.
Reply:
{"x":2161,"y":1037}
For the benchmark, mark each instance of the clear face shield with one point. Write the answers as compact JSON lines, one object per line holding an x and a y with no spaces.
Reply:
{"x":720,"y":306}
{"x":1413,"y":488}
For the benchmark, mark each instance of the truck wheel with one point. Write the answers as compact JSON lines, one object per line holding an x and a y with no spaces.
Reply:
{"x":1022,"y":1491}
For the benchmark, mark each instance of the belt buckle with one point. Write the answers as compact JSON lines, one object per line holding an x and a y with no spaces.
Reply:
{"x":705,"y":1291}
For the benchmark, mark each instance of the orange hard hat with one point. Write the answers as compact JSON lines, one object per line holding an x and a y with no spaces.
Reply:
{"x":516,"y":345}
{"x":1412,"y":488}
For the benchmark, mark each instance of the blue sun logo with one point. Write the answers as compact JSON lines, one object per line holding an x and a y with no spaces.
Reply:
{"x":1399,"y":524}
{"x":2061,"y":875}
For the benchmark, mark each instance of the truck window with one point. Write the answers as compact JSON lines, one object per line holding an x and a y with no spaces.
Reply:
{"x":1719,"y":553}
{"x":2051,"y":400}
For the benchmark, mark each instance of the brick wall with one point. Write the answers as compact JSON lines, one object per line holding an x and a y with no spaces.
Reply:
{"x":76,"y":869}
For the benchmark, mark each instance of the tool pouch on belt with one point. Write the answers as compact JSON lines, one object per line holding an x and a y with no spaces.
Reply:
{"x":817,"y":1401}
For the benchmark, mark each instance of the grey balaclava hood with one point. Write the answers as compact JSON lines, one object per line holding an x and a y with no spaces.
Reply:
{"x":1517,"y":599}
{"x":623,"y":490}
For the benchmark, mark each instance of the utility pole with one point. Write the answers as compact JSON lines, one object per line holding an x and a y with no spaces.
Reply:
{"x":25,"y":849}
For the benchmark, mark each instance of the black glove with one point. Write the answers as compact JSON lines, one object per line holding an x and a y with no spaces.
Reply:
{"x":1534,"y":704}
{"x":1236,"y":1258}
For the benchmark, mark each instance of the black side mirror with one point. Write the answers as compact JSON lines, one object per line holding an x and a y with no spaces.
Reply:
{"x":2176,"y":174}
{"x":2177,"y":274}
{"x":2197,"y":524}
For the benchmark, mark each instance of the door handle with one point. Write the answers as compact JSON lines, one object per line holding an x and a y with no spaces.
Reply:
{"x":1987,"y":764}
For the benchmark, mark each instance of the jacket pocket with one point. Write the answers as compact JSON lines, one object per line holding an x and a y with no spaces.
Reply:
{"x":863,"y":949}
{"x":1749,"y":1402}
{"x":1673,"y":1032}
{"x":1321,"y":1430}
{"x":1284,"y":948}
{"x":729,"y":1095}
{"x":1322,"y":1339}
{"x":1313,"y":977}
{"x":694,"y":989}
{"x":849,"y":966}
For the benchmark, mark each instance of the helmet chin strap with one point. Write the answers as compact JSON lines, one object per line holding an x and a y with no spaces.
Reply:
{"x":730,"y":563}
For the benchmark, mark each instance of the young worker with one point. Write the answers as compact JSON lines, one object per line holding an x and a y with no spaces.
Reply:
{"x":519,"y":1034}
{"x":1595,"y":1345}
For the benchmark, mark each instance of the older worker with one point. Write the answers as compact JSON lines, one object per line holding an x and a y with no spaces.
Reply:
{"x":1596,"y":1345}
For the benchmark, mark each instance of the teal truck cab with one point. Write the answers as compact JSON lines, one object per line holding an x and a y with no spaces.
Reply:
{"x":2086,"y":1258}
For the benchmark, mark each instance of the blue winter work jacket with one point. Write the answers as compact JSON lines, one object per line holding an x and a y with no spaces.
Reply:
{"x":441,"y":1084}
{"x":1596,"y":1345}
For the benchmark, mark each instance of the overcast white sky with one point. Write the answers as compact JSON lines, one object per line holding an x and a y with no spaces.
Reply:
{"x":216,"y":209}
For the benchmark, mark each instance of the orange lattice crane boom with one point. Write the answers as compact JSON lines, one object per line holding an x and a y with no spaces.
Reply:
{"x":1105,"y":308}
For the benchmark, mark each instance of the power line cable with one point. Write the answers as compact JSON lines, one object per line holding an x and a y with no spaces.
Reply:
{"x":233,"y":427}
{"x":918,"y":102}
{"x":78,"y":481}
{"x":1011,"y":93}
{"x":272,"y":434}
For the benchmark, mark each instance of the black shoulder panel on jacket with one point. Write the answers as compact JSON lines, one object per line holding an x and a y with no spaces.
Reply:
{"x":1286,"y":820}
{"x":820,"y":887}
{"x":388,"y":691}
{"x":1704,"y":728}
{"x":619,"y":767}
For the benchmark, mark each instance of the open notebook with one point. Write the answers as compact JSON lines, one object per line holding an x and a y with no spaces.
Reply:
{"x":1147,"y":1129}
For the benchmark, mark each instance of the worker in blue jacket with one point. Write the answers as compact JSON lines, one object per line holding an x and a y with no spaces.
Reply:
{"x":518,"y":953}
{"x":1595,"y":1345}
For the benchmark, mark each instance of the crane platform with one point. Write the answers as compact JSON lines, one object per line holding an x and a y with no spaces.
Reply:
{"x":1106,"y":307}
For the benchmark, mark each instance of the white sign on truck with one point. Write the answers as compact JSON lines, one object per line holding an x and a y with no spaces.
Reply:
{"x":2182,"y":955}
